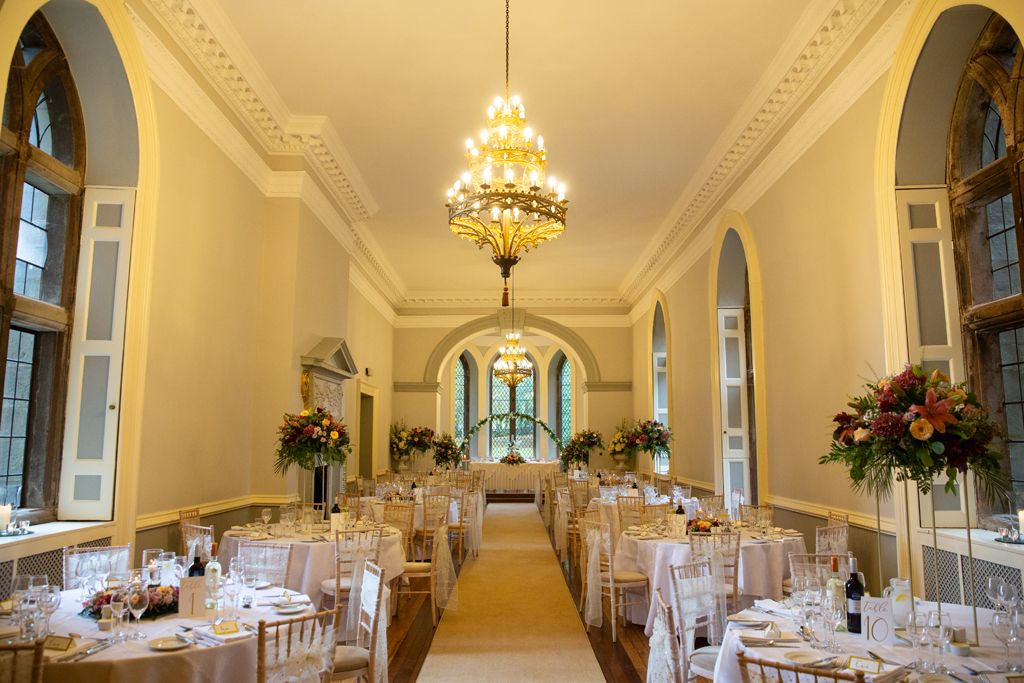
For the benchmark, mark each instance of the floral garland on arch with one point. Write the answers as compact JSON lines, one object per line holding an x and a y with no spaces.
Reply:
{"x":408,"y":441}
{"x":310,"y":439}
{"x":914,"y":427}
{"x":446,"y":451}
{"x":508,"y":416}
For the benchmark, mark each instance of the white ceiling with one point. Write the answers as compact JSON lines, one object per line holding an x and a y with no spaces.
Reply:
{"x":630,"y":97}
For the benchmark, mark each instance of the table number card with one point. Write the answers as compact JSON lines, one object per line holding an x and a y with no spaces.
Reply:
{"x":878,"y":625}
{"x":192,"y":597}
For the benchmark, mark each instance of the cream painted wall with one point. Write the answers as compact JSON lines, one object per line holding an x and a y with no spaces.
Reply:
{"x":816,"y":241}
{"x":199,"y":380}
{"x":371,"y":341}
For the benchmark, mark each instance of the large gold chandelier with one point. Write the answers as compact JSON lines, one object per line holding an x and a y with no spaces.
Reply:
{"x":506,"y":200}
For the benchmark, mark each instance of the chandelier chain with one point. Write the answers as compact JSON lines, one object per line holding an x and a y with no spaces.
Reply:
{"x":506,"y":48}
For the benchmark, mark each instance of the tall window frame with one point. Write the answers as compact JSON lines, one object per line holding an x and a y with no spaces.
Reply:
{"x":563,"y":398}
{"x":461,"y":405}
{"x":986,"y":193}
{"x":659,"y":380}
{"x":42,"y":153}
{"x":523,"y":432}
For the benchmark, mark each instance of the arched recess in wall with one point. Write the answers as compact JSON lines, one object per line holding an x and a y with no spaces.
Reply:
{"x":113,"y":85}
{"x":659,"y":373}
{"x":917,"y":230}
{"x":735,"y":293}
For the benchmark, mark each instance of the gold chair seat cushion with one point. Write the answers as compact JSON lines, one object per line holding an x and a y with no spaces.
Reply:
{"x":702,"y":661}
{"x":349,"y":658}
{"x":327,"y":585}
{"x":622,"y":577}
{"x":417,"y":567}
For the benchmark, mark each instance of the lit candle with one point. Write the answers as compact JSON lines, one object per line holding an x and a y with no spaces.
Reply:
{"x":5,"y":516}
{"x":1020,"y":520}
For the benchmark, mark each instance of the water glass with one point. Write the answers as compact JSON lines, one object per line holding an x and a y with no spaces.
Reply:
{"x":48,"y":602}
{"x":117,"y":611}
{"x":138,"y":603}
{"x":917,"y":634}
{"x":29,"y":616}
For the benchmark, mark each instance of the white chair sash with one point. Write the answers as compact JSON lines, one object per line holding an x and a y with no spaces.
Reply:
{"x":355,"y":594}
{"x":307,"y":660}
{"x":447,"y":587}
{"x":660,"y":667}
{"x":594,"y":615}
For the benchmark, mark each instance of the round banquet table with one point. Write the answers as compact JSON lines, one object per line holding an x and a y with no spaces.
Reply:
{"x":134,"y":662}
{"x":762,"y":567}
{"x":981,"y":658}
{"x":312,"y":561}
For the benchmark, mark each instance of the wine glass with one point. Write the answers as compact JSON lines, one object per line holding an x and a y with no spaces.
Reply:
{"x":916,"y":623}
{"x":1008,"y":596}
{"x":28,"y":615}
{"x":48,"y":601}
{"x":232,"y":587}
{"x":266,"y":514}
{"x":936,"y":632}
{"x":993,"y":586}
{"x":832,"y":612}
{"x":1002,"y":629}
{"x":138,"y":603}
{"x":117,"y":610}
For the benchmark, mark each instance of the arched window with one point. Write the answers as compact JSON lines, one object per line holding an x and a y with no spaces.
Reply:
{"x":985,"y":196}
{"x":659,"y":377}
{"x":563,"y":399}
{"x":523,"y":400}
{"x":462,"y":398}
{"x":42,"y":162}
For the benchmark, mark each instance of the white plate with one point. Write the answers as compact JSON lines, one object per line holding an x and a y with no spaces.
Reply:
{"x":167,"y":644}
{"x":804,"y":657}
{"x":290,"y":609}
{"x":260,"y":585}
{"x":791,"y":532}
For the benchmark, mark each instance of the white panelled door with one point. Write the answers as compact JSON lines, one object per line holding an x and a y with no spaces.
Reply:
{"x":97,"y":346}
{"x":732,"y":373}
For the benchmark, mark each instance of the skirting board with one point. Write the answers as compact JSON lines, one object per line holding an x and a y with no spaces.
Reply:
{"x":155,"y":519}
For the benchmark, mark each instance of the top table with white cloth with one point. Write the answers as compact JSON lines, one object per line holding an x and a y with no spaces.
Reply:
{"x":526,"y":477}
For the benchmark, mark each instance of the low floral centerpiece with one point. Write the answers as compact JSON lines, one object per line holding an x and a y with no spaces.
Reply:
{"x":446,"y":451}
{"x":915,"y":427}
{"x":310,"y":439}
{"x":162,"y":600}
{"x":650,"y":436}
{"x":513,"y":458}
{"x":702,"y":525}
{"x":408,"y":442}
{"x":577,"y":451}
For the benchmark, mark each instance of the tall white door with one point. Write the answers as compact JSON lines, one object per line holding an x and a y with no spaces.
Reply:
{"x":732,"y":373}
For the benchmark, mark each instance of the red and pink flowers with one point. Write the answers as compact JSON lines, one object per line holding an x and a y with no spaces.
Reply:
{"x":310,"y":439}
{"x":916,"y":426}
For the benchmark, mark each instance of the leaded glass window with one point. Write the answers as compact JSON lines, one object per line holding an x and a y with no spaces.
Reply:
{"x":563,"y":373}
{"x":521,"y":432}
{"x":993,"y":145}
{"x":1002,"y":244}
{"x":14,"y":415}
{"x":1011,"y":352}
{"x":461,"y":407}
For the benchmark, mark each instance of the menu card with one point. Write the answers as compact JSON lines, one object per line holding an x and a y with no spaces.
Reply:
{"x":192,"y":597}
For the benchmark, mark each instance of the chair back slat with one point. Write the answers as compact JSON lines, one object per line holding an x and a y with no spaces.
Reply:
{"x":293,"y":640}
{"x":198,"y":541}
{"x":754,"y":670}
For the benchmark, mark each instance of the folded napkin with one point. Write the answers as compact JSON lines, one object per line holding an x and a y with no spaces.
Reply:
{"x":892,"y":673}
{"x":764,"y":635}
{"x":749,"y":615}
{"x":773,"y":607}
{"x":207,"y":631}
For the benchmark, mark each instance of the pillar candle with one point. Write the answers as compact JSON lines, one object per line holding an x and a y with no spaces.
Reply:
{"x":1020,"y":520}
{"x":5,"y":516}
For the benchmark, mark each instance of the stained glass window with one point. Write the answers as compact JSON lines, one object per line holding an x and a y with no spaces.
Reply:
{"x":523,"y":432}
{"x":564,"y":393}
{"x":461,"y":408}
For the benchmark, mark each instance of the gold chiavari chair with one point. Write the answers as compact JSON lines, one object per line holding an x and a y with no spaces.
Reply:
{"x":22,"y":662}
{"x":674,"y":655}
{"x":113,"y":559}
{"x":614,"y":583}
{"x":749,"y":514}
{"x":753,"y":670}
{"x":837,"y":519}
{"x":348,"y":547}
{"x":283,"y":645}
{"x":360,"y":660}
{"x":656,"y":512}
{"x":435,"y":516}
{"x":711,"y":504}
{"x":724,"y":548}
{"x":697,"y":607}
{"x":271,"y":561}
{"x":464,"y":527}
{"x":188,"y":516}
{"x":401,"y":516}
{"x":426,"y":570}
{"x":630,"y":511}
{"x":198,"y":541}
{"x":685,"y":490}
{"x":831,"y":540}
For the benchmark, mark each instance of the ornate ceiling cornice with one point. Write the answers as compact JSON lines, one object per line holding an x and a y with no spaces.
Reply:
{"x":842,"y":24}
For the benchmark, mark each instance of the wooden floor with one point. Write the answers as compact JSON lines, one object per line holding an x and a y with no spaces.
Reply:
{"x":411,"y":632}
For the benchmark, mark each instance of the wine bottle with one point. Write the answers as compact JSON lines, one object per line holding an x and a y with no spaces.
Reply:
{"x":335,"y":509}
{"x":197,"y":568}
{"x":212,"y":575}
{"x":679,"y":509}
{"x":854,"y":592}
{"x":834,"y":585}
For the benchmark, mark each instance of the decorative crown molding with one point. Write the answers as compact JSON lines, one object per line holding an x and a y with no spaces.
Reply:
{"x":842,"y":23}
{"x":491,"y":298}
{"x":207,"y":36}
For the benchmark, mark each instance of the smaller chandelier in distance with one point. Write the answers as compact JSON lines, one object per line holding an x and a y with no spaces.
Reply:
{"x":506,"y":200}
{"x":512,"y":366}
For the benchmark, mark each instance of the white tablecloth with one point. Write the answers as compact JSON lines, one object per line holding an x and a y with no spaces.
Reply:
{"x":312,"y":562}
{"x":134,"y":662}
{"x":526,"y":477}
{"x":763,"y":566}
{"x":982,"y":658}
{"x":609,"y":515}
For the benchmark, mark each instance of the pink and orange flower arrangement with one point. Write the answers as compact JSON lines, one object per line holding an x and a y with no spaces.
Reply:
{"x":513,"y":458}
{"x":447,"y":452}
{"x":649,"y":436}
{"x":577,"y":451}
{"x":162,"y":600}
{"x":406,"y":441}
{"x":915,"y":426}
{"x":311,"y":439}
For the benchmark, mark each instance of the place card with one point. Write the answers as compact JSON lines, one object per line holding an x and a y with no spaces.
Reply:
{"x":192,"y":597}
{"x":59,"y":643}
{"x":877,"y":623}
{"x":225,"y":628}
{"x":868,"y":666}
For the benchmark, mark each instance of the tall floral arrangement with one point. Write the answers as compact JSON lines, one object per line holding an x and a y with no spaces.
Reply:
{"x":622,"y":442}
{"x":406,"y":441}
{"x":310,"y":439}
{"x":578,"y":449}
{"x":651,"y":437}
{"x":915,"y":426}
{"x":446,"y":451}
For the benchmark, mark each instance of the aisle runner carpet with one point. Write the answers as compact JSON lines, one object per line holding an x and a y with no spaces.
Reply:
{"x":516,"y":620}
